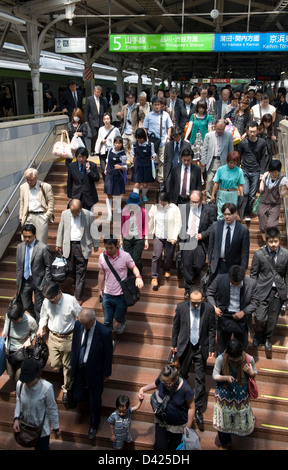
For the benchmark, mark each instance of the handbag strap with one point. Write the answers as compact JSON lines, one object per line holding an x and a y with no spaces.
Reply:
{"x":108,"y":133}
{"x":112,"y":269}
{"x":264,"y":251}
{"x":21,"y":386}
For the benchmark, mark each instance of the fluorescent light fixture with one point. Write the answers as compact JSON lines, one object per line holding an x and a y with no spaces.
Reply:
{"x":152,"y":68}
{"x":11,"y":19}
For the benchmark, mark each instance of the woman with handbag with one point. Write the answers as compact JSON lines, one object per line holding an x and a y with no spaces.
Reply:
{"x":105,"y":139}
{"x":173,"y":407}
{"x":234,"y":373}
{"x":200,"y":123}
{"x":36,"y":408}
{"x":239,"y":116}
{"x":19,"y":330}
{"x":266,"y":131}
{"x":77,"y":131}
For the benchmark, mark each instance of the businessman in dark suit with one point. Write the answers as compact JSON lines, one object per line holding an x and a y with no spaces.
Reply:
{"x":197,"y":219}
{"x":95,"y":108}
{"x":173,"y":152}
{"x":229,"y":242}
{"x":33,"y":270}
{"x":91,"y":364}
{"x":185,"y":177}
{"x":234,"y":297}
{"x":82,"y":176}
{"x":193,"y":339}
{"x":72,"y":98}
{"x":270,"y":269}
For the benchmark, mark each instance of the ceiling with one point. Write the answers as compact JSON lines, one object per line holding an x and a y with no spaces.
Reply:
{"x":96,"y":18}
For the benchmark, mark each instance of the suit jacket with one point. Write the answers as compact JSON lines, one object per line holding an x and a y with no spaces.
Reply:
{"x":181,"y":328}
{"x":83,"y":188}
{"x":218,"y":109}
{"x":91,"y":115}
{"x":64,"y":235}
{"x":168,"y":158}
{"x":208,"y":150}
{"x":67,"y":101}
{"x":181,"y":116}
{"x":218,"y":293}
{"x":45,"y":197}
{"x":175,"y":113}
{"x":262,"y":271}
{"x":40,"y":264}
{"x":239,"y":249}
{"x":175,"y":181}
{"x":137,"y":117}
{"x":207,"y":217}
{"x":99,"y":363}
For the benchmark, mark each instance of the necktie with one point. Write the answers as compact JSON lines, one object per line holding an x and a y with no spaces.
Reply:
{"x":227,"y":242}
{"x":273,"y":256}
{"x":176,"y":155}
{"x":75,"y":99}
{"x":194,"y":336}
{"x":27,"y":262}
{"x":83,"y":348}
{"x":97,"y":104}
{"x":82,"y":169}
{"x":192,"y":228}
{"x":184,"y":184}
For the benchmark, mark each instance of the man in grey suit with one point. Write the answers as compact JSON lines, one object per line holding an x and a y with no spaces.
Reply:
{"x":33,"y":270}
{"x":217,"y":144}
{"x":234,"y":297}
{"x":270,"y":269}
{"x":75,"y":237}
{"x":95,"y":108}
{"x":193,"y":339}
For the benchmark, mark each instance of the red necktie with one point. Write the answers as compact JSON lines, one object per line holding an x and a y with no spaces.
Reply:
{"x":184,"y":184}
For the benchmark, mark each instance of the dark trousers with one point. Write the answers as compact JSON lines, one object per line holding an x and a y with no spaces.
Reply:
{"x":43,"y":443}
{"x":134,"y":247}
{"x":160,"y":244}
{"x":193,"y":261}
{"x":103,"y":164}
{"x":193,"y":354}
{"x":28,"y":288}
{"x":82,"y":393}
{"x":94,"y":136}
{"x":77,"y":265}
{"x":266,"y":316}
{"x":165,"y":440}
{"x":223,"y":337}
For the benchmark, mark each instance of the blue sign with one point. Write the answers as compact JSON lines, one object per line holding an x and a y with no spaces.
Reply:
{"x":246,"y":42}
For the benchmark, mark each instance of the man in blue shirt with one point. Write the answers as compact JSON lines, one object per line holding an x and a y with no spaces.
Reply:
{"x":158,"y":123}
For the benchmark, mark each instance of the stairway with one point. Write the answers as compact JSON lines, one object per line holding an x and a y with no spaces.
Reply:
{"x":142,"y":351}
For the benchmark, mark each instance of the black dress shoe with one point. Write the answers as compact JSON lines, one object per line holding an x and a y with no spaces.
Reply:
{"x":268,"y":345}
{"x":256,"y":342}
{"x":92,"y":432}
{"x":64,"y":397}
{"x":199,"y":416}
{"x":186,"y":295}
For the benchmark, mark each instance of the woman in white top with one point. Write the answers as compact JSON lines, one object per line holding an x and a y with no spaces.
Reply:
{"x":264,"y":107}
{"x":35,"y":403}
{"x":164,"y":225}
{"x":105,"y":140}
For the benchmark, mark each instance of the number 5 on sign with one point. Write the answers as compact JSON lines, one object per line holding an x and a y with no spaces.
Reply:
{"x":116,"y":43}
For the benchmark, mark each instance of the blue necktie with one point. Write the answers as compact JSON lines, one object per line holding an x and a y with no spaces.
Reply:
{"x":176,"y":155}
{"x":27,"y":262}
{"x":227,"y":242}
{"x":82,"y":169}
{"x":194,"y":337}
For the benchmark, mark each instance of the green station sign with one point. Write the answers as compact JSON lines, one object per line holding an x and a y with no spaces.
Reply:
{"x":161,"y":42}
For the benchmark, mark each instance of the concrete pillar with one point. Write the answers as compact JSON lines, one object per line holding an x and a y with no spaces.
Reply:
{"x":36,"y":88}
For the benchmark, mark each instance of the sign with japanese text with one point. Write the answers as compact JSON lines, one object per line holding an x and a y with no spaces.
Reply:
{"x":161,"y":42}
{"x":246,"y":42}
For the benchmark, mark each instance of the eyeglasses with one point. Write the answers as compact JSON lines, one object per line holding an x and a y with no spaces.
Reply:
{"x":167,"y":384}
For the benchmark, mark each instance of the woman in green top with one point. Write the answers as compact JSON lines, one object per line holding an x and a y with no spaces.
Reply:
{"x":228,"y":183}
{"x":200,"y":123}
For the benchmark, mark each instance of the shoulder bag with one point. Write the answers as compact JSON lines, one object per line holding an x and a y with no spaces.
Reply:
{"x":156,"y":140}
{"x":29,"y":434}
{"x":130,"y":291}
{"x":252,"y":385}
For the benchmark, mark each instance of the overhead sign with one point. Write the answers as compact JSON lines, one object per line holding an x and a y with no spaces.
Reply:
{"x":236,"y":42}
{"x":161,"y":42}
{"x":246,"y":42}
{"x":70,"y":45}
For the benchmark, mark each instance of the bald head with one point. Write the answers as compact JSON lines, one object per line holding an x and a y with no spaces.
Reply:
{"x":75,"y":207}
{"x":87,"y":318}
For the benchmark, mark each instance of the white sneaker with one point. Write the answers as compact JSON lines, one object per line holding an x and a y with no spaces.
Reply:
{"x":121,"y":328}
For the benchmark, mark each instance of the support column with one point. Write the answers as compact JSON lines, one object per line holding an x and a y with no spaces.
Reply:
{"x":36,"y":88}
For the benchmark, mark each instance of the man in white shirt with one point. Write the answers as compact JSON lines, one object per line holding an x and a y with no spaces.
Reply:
{"x":59,"y":312}
{"x":75,"y":240}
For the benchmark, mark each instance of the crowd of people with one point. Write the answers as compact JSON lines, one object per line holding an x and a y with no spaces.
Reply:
{"x":206,"y":184}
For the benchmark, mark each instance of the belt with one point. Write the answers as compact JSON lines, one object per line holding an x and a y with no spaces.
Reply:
{"x":61,"y":336}
{"x":232,"y":189}
{"x":223,"y":259}
{"x":37,"y":213}
{"x":218,"y":158}
{"x":75,"y":243}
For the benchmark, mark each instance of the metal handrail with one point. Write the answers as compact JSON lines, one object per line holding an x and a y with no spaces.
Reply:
{"x":30,"y":116}
{"x":21,"y":180}
{"x":282,"y":154}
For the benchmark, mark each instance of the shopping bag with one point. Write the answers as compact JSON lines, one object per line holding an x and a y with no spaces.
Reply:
{"x":153,"y":168}
{"x":76,"y":142}
{"x":62,"y":148}
{"x":190,"y":440}
{"x":235,"y":134}
{"x":255,"y":207}
{"x":59,"y":269}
